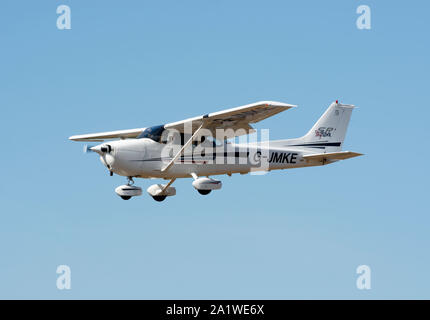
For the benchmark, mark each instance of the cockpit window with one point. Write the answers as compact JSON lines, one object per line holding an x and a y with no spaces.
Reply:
{"x":154,"y":133}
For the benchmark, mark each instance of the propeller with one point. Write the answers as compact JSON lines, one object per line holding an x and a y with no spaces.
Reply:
{"x":87,"y":149}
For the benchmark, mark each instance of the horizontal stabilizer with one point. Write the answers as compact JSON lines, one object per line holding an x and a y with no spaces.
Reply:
{"x":331,"y":156}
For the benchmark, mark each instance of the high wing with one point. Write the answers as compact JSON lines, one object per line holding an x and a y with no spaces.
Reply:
{"x":109,"y":135}
{"x":235,"y":118}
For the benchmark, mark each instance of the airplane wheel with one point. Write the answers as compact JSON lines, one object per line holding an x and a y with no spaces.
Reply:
{"x":204,"y":192}
{"x":159,"y":198}
{"x":126,"y":197}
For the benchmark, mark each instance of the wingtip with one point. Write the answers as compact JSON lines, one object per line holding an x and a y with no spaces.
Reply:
{"x":279,"y":104}
{"x":76,"y":138}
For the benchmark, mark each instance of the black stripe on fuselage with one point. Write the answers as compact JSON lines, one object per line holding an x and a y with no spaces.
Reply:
{"x":197,"y":157}
{"x":316,"y":145}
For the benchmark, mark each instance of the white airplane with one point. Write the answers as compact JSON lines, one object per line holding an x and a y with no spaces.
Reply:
{"x":201,"y":147}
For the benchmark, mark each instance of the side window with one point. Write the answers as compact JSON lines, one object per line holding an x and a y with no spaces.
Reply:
{"x":166,"y":137}
{"x":153,"y":133}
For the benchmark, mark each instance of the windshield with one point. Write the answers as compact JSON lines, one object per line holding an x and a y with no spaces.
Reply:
{"x":154,"y":133}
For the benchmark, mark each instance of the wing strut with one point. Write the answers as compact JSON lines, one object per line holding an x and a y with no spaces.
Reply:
{"x":167,"y":185}
{"x":182,"y":150}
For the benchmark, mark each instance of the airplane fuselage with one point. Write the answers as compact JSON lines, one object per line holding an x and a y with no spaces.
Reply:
{"x":144,"y":158}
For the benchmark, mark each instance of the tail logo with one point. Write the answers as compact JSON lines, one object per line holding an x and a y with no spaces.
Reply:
{"x":323,"y":132}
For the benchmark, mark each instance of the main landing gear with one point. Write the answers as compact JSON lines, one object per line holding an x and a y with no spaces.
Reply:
{"x":159,"y":198}
{"x":159,"y":192}
{"x":205,"y":185}
{"x":204,"y":192}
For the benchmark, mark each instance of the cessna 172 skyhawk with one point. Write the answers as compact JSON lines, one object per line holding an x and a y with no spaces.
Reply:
{"x":201,"y":147}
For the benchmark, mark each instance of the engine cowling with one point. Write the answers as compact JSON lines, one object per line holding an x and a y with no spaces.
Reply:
{"x":207,"y":184}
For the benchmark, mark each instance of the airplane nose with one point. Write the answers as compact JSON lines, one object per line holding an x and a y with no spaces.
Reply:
{"x":97,"y":149}
{"x":105,"y":150}
{"x":102,"y":149}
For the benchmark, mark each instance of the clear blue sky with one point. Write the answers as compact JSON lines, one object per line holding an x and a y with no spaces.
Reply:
{"x":290,"y":234}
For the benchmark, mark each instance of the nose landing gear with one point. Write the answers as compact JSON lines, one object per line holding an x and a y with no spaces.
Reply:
{"x":127,"y":191}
